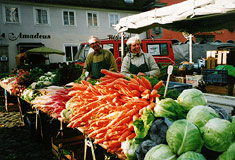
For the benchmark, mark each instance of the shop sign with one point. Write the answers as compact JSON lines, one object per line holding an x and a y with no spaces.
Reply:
{"x":14,"y":37}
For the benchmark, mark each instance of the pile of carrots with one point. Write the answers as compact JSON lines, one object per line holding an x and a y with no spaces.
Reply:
{"x":105,"y":111}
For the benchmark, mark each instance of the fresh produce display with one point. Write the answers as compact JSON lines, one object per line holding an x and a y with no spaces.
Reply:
{"x":190,"y":155}
{"x":183,"y":136}
{"x":229,"y":154}
{"x":200,"y":115}
{"x":47,"y":79}
{"x":52,"y":103}
{"x":218,"y":134}
{"x":160,"y":152}
{"x":191,"y":97}
{"x":105,"y":111}
{"x":131,"y":118}
{"x":30,"y":94}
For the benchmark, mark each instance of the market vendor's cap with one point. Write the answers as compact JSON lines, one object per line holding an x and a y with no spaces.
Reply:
{"x":92,"y":39}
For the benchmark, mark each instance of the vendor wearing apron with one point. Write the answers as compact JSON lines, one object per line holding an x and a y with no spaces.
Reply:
{"x":98,"y":59}
{"x":137,"y":62}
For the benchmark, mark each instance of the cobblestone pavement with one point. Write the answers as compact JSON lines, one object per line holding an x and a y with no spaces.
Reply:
{"x":17,"y":142}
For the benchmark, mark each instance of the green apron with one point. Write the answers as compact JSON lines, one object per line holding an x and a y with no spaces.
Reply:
{"x":96,"y":68}
{"x":142,"y":68}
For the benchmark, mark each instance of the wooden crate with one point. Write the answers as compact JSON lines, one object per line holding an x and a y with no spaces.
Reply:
{"x":74,"y":145}
{"x":216,"y":89}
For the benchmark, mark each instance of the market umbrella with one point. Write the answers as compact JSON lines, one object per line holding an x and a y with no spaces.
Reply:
{"x":39,"y":55}
{"x":44,"y":51}
{"x":190,"y":16}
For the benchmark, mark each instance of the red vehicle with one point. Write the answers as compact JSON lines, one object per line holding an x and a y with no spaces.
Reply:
{"x":161,"y":50}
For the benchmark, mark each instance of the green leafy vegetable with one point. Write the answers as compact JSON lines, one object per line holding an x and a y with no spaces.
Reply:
{"x":129,"y":147}
{"x":183,"y":136}
{"x":190,"y":98}
{"x":160,"y":152}
{"x":169,"y":108}
{"x":142,"y":125}
{"x":218,"y":134}
{"x":200,"y":115}
{"x":190,"y":155}
{"x":229,"y":154}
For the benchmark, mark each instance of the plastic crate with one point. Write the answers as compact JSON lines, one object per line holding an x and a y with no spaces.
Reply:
{"x":215,"y":76}
{"x":179,"y":86}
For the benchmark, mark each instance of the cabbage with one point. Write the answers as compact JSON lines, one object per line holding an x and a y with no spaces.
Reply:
{"x":158,"y":129}
{"x":218,"y":134}
{"x":160,"y":152}
{"x":229,"y":154}
{"x":183,"y":136}
{"x":129,"y":147}
{"x":169,"y":108}
{"x":200,"y":115}
{"x":190,"y":155}
{"x":143,"y":148}
{"x":190,"y":98}
{"x":233,"y":124}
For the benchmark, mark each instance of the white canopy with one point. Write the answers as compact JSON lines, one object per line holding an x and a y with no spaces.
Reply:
{"x":190,"y":16}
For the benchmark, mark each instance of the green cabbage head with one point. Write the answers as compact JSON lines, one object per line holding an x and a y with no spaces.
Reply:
{"x":183,"y":136}
{"x":200,"y":115}
{"x":218,"y":134}
{"x":233,"y":124}
{"x":160,"y":152}
{"x":190,"y":155}
{"x":190,"y":98}
{"x":229,"y":154}
{"x":169,"y":108}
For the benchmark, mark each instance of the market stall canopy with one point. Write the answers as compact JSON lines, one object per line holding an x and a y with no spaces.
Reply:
{"x":44,"y":51}
{"x":191,"y":16}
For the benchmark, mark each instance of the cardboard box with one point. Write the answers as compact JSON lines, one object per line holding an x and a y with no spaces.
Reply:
{"x":179,"y":79}
{"x":193,"y":79}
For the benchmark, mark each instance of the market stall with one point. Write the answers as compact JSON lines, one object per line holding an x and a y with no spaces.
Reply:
{"x":124,"y":115}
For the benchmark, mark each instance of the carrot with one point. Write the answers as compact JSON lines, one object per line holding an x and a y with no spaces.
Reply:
{"x":151,"y":106}
{"x":136,"y":93}
{"x":139,"y":80}
{"x":133,"y":85}
{"x":78,"y":86}
{"x":124,"y":135}
{"x":106,"y":81}
{"x":142,"y":88}
{"x":134,"y":81}
{"x":112,"y":74}
{"x":136,"y":116}
{"x":131,"y":136}
{"x":158,"y":85}
{"x":147,"y":83}
{"x":113,"y":144}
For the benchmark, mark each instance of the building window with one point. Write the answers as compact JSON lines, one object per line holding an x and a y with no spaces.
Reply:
{"x":69,"y":18}
{"x":92,"y":19}
{"x":70,"y":52}
{"x":11,"y":13}
{"x":41,"y":15}
{"x":113,"y":19}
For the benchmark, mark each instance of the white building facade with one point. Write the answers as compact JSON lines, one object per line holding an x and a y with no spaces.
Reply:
{"x":28,"y":25}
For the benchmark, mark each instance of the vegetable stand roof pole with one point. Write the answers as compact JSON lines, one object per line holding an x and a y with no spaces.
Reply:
{"x":190,"y":48}
{"x":169,"y":72}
